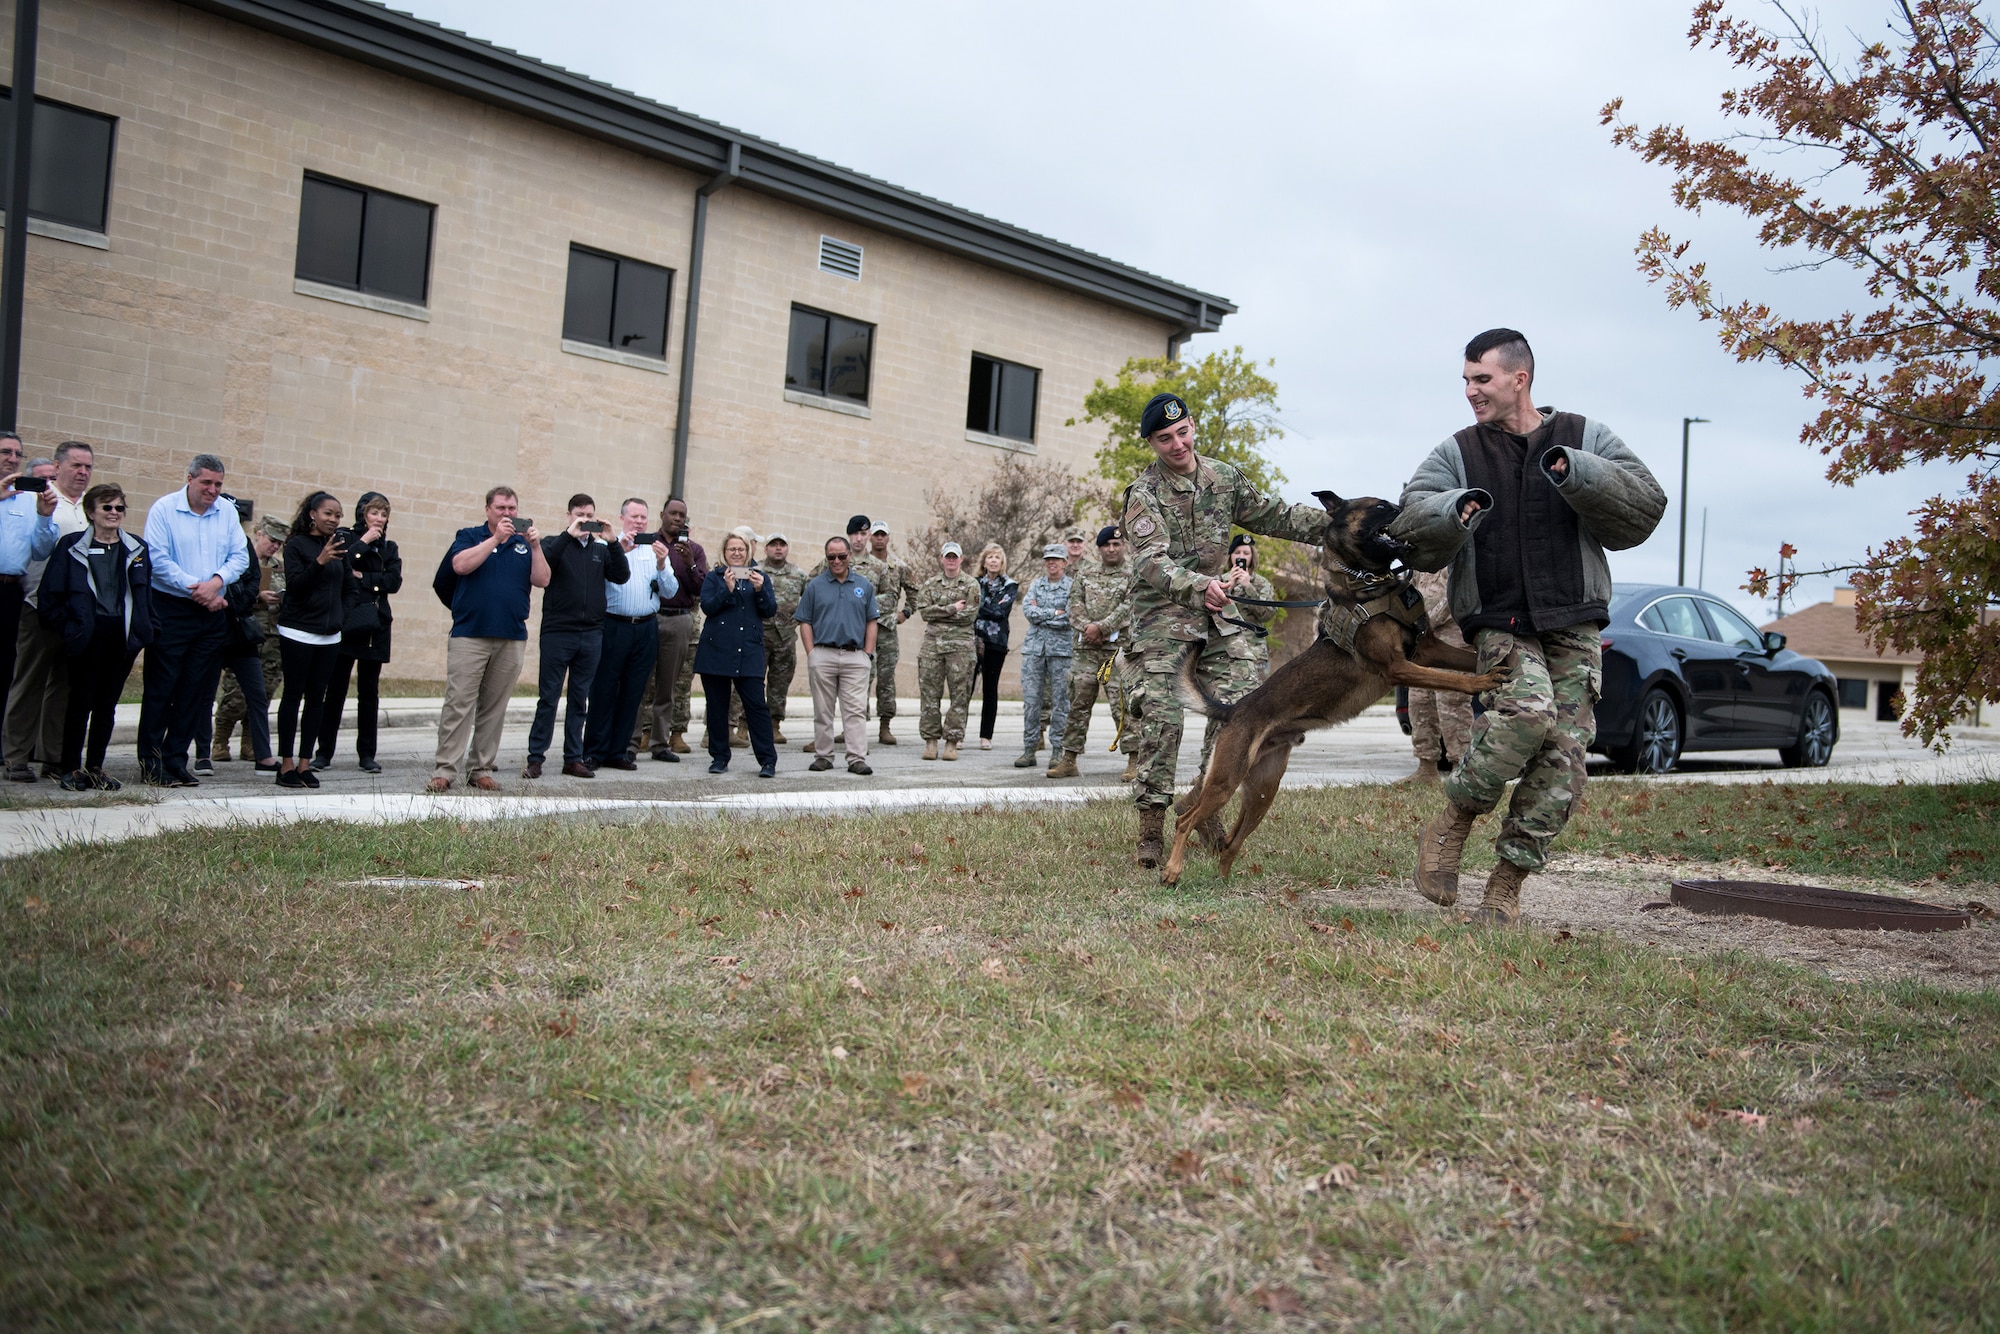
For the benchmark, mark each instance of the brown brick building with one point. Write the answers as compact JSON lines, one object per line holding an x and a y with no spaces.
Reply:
{"x":343,"y":247}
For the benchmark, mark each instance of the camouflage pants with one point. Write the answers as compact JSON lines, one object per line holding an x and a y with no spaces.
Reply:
{"x":942,"y":668}
{"x":1227,"y":665}
{"x":781,"y":664}
{"x":230,"y":707}
{"x":1440,"y":724}
{"x":1537,"y":727}
{"x":1044,"y":697}
{"x":1083,"y":688}
{"x":887,"y":653}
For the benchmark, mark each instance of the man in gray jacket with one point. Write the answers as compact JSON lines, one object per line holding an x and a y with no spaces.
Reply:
{"x":1522,"y":506}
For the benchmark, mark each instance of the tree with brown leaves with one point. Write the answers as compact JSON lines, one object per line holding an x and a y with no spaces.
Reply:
{"x":1891,"y":158}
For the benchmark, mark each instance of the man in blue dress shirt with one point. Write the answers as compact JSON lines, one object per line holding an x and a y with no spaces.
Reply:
{"x":197,"y":548}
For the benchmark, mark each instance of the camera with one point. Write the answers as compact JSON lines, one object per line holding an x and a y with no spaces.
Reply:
{"x":246,"y":510}
{"x":31,"y":483}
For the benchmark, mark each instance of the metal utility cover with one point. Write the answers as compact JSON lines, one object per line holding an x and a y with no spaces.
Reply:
{"x":1813,"y":905}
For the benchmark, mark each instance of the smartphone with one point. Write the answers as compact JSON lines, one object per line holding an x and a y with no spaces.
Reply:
{"x":595,"y":526}
{"x":644,"y":539}
{"x":522,"y":525}
{"x":31,"y":483}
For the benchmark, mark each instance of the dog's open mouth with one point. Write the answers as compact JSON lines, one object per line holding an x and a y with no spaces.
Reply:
{"x":1387,"y":549}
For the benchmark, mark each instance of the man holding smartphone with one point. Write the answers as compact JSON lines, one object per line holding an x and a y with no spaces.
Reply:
{"x":631,"y":641}
{"x":581,"y":562}
{"x":25,"y":523}
{"x":673,"y":668}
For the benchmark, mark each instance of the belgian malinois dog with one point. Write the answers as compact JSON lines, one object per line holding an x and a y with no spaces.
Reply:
{"x":1322,"y":687}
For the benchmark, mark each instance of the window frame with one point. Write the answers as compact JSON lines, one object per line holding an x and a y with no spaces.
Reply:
{"x":358,"y":286}
{"x":572,"y":342}
{"x":824,"y":394}
{"x":996,"y":398}
{"x":103,"y":226}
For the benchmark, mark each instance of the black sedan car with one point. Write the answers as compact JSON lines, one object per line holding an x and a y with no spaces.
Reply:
{"x":1684,"y":671}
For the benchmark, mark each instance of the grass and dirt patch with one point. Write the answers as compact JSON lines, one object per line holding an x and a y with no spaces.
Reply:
{"x":966,"y":1070}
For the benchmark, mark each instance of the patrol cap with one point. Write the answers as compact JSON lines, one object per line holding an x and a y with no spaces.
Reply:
{"x":879,"y":527}
{"x":1108,"y":534}
{"x":777,"y":537}
{"x":1162,"y":410}
{"x":858,"y":524}
{"x":1055,"y":551}
{"x":275,"y":528}
{"x":951,"y":549}
{"x":1076,"y":535}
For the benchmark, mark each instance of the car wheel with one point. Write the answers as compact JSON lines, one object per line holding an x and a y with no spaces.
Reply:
{"x":1815,"y":743}
{"x":1656,"y":738}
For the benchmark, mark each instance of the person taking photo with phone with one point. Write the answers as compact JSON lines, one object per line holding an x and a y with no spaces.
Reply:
{"x":487,"y":573}
{"x":581,"y":560}
{"x":26,"y":524}
{"x":374,"y":572}
{"x":309,"y":621}
{"x":37,"y":699}
{"x":736,"y":600}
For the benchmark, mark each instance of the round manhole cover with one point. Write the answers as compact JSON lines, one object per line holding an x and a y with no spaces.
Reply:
{"x":1813,"y":905}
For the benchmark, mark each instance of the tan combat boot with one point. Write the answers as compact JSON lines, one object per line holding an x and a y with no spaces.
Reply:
{"x":1131,"y":768}
{"x":778,"y":734}
{"x":677,"y":743}
{"x":244,"y":752}
{"x":1426,"y":772}
{"x":222,"y":741}
{"x":739,"y":737}
{"x":1440,"y":844}
{"x":882,"y":736}
{"x":950,"y":751}
{"x":1501,"y":905}
{"x":930,"y":750}
{"x":1065,"y":767}
{"x":1152,"y":837}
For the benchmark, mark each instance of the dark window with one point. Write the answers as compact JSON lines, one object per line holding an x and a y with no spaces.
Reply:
{"x":1888,"y":701}
{"x":1853,"y":693}
{"x":69,"y":177}
{"x":1675,"y":616}
{"x":829,"y":355}
{"x":617,"y":303}
{"x":364,"y":240}
{"x":1002,"y":398}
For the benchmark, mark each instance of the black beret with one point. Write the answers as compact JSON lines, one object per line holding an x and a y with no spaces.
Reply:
{"x":1242,"y":540}
{"x":1107,"y":534}
{"x":1161,"y":410}
{"x":858,"y":524}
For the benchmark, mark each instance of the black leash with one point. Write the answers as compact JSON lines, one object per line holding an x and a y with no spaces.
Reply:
{"x":1264,"y":632}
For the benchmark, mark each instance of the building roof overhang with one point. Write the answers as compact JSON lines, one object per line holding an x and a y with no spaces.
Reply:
{"x":418,"y":49}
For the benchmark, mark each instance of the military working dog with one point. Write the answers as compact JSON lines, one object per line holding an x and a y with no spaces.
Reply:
{"x":1372,"y":636}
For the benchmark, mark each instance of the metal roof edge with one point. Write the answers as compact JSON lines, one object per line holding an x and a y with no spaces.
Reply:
{"x":400,"y":43}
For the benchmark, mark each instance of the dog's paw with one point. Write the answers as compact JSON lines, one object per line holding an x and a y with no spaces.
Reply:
{"x":1488,"y":681}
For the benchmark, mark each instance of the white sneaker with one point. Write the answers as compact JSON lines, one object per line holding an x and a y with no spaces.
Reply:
{"x":986,"y":743}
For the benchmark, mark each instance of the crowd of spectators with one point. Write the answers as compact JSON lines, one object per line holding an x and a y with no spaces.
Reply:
{"x":293,"y":613}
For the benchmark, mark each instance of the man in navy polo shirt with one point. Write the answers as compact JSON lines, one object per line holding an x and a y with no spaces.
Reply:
{"x":496,"y":563}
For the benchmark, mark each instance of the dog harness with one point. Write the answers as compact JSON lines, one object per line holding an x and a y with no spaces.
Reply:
{"x":1391,"y":595}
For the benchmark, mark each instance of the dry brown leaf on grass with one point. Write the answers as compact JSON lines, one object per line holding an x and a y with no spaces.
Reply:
{"x":1509,"y":967}
{"x":1358,"y":1045}
{"x":1427,"y":944}
{"x":1321,"y":928}
{"x":915,"y":1084}
{"x":1127,"y":1097}
{"x":699,"y":1080}
{"x":837,"y":1052}
{"x":1279,"y":1300}
{"x":855,"y":893}
{"x":885,"y":924}
{"x":1341,"y":1176}
{"x":1754,"y":1120}
{"x":725,"y":960}
{"x":562,"y":1026}
{"x":856,"y":984}
{"x":1186,"y":1165}
{"x":994,"y":969}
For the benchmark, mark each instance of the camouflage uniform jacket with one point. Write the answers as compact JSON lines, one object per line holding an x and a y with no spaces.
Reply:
{"x":944,"y":625}
{"x":275,"y":583}
{"x":890,"y":579}
{"x":1102,"y":596}
{"x":1046,"y":607}
{"x":1178,"y":530}
{"x":788,"y":583}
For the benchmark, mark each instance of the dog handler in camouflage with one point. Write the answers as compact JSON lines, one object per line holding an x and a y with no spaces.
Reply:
{"x":1523,"y":505}
{"x":1177,"y":520}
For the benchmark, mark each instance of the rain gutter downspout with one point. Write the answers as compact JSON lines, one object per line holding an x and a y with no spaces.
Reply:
{"x":1178,"y":339}
{"x":683,"y":412}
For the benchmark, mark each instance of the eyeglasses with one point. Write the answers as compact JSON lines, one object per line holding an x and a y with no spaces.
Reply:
{"x":835,"y":558}
{"x":112,"y":509}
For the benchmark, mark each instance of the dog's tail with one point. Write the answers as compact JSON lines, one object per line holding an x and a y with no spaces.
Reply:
{"x":1193,"y":694}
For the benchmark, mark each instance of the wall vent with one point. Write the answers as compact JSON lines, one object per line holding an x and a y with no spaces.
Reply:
{"x":840,"y":257}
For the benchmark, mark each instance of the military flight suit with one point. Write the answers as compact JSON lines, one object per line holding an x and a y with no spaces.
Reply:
{"x":231,"y":708}
{"x":1177,"y":528}
{"x":947,"y":660}
{"x":1098,"y":595}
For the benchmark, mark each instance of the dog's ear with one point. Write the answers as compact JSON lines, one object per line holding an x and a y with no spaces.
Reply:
{"x":1333,"y":503}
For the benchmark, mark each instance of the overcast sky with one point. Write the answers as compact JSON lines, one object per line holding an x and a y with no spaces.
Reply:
{"x":1372,"y":184}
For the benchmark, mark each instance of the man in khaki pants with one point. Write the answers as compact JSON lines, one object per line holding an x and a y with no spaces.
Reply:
{"x":837,"y":616}
{"x":496,"y":562}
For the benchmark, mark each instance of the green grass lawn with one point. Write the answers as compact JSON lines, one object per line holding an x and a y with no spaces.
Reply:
{"x":968,"y":1070}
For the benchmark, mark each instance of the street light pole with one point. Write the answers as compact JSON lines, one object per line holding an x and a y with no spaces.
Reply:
{"x":1681,"y":571}
{"x":14,"y":254}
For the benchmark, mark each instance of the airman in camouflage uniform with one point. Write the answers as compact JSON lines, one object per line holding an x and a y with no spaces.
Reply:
{"x":895,"y":594}
{"x":1177,"y":520}
{"x":781,"y":635}
{"x":230,"y":707}
{"x":1522,"y":505}
{"x":1100,"y":618}
{"x":949,"y":603}
{"x":1242,"y":548}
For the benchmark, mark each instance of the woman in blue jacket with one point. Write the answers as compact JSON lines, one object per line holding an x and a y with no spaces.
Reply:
{"x":97,"y":593}
{"x":736,"y":599}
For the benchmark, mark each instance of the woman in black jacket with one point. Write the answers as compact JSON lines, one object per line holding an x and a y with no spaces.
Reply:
{"x":309,"y":624}
{"x":997,"y":594}
{"x":97,"y":593}
{"x":376,"y":570}
{"x":736,"y":599}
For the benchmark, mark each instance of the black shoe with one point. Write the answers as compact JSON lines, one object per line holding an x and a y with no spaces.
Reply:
{"x":666,"y":757}
{"x":290,"y":778}
{"x":267,"y":766}
{"x":308,"y":777}
{"x":859,"y":767}
{"x":768,"y":771}
{"x":368,"y":766}
{"x":624,"y":763}
{"x":181,"y":778}
{"x":102,"y":781}
{"x":21,"y":773}
{"x":204,"y":767}
{"x":718,"y":766}
{"x":820,"y":764}
{"x":322,"y":761}
{"x":76,"y":782}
